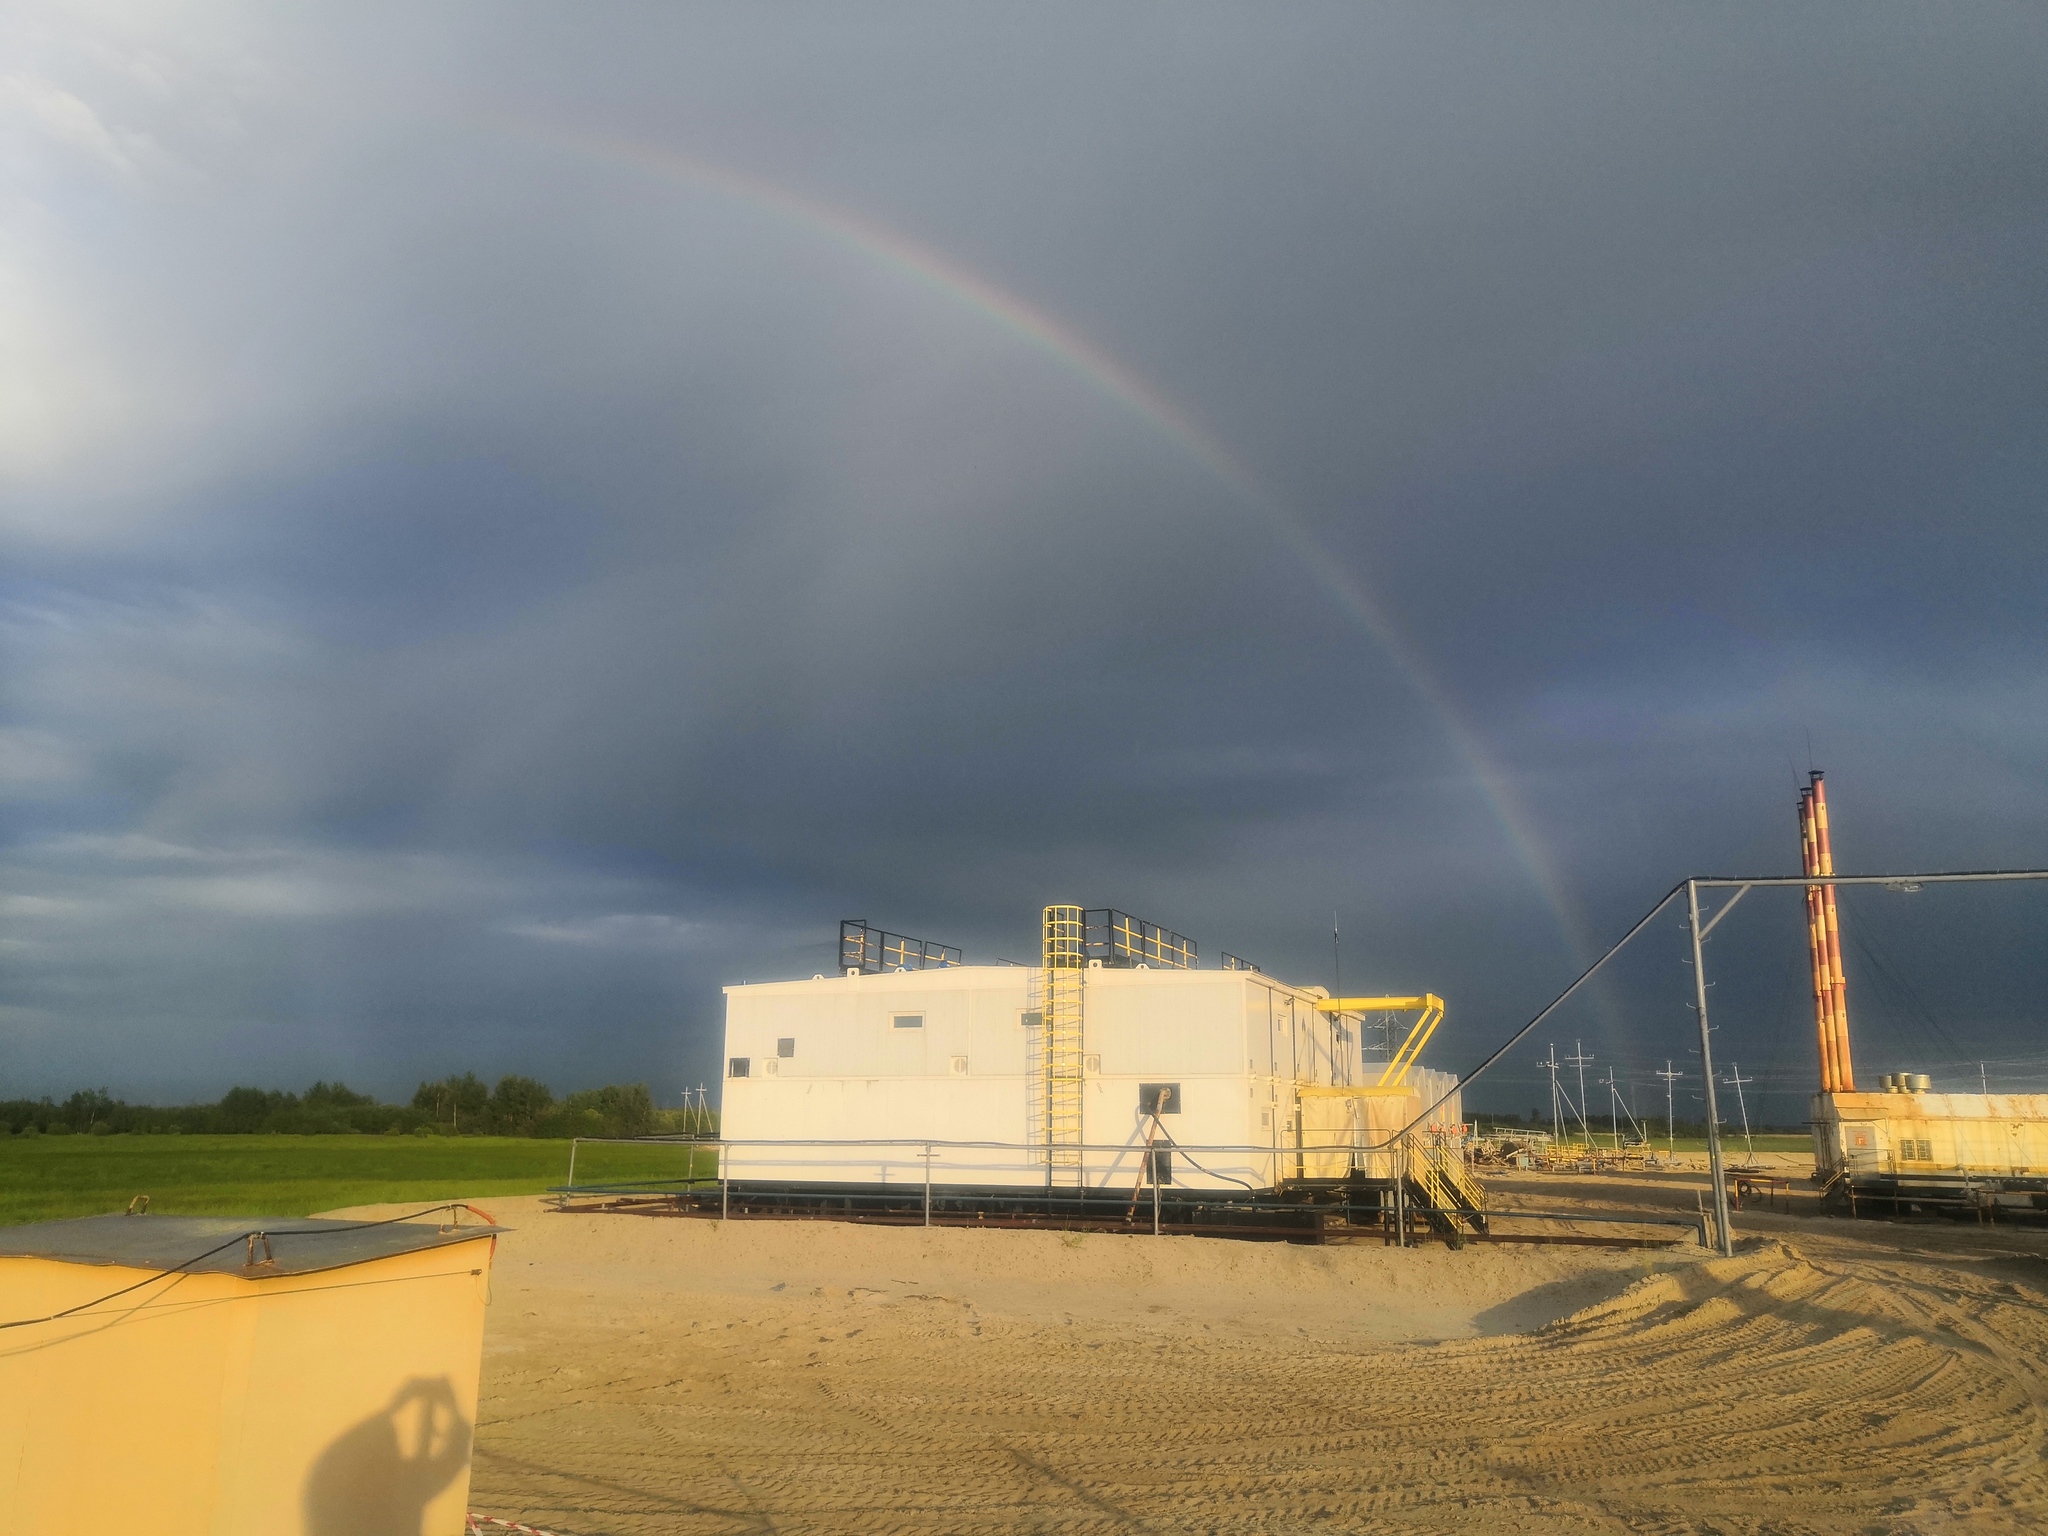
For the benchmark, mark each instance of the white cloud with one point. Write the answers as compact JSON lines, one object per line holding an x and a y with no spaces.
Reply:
{"x":619,"y":930}
{"x":37,"y":763}
{"x":60,"y":117}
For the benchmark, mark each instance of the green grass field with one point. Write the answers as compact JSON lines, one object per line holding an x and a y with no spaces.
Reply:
{"x":1732,"y":1143}
{"x":45,"y":1177}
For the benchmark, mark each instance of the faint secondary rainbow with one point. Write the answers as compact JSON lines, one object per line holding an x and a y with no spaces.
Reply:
{"x":1108,"y":376}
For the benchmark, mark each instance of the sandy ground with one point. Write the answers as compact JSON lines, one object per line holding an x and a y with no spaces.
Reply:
{"x":646,"y":1375}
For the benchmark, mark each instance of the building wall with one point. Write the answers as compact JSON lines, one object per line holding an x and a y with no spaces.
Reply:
{"x":1237,"y":1044}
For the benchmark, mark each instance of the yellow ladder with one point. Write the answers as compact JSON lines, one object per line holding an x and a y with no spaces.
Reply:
{"x":1057,"y":1063}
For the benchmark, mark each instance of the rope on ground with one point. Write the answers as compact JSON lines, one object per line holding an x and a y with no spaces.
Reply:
{"x":475,"y":1525}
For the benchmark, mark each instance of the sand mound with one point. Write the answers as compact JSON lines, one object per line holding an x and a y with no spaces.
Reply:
{"x":647,"y":1375}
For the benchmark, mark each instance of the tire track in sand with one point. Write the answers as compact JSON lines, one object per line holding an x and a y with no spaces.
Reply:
{"x":1767,"y":1393}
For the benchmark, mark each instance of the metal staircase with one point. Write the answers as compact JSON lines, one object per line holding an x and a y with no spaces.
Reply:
{"x":1445,"y":1187}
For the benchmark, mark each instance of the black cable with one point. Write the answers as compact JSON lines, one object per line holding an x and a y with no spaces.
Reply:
{"x":185,"y":1265}
{"x":1900,"y":988}
{"x":1555,"y":1003}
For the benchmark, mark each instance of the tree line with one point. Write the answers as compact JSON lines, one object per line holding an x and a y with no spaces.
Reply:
{"x":453,"y":1106}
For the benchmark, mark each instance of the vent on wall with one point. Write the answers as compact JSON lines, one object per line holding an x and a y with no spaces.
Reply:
{"x":959,"y":1066}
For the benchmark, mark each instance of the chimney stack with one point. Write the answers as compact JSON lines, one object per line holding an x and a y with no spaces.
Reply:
{"x":1838,"y":987}
{"x":1817,"y":948}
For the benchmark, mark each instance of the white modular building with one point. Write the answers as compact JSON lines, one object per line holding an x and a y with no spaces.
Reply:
{"x":1027,"y":1077}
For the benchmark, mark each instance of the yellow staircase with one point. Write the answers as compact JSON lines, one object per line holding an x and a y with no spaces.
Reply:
{"x":1446,"y":1185}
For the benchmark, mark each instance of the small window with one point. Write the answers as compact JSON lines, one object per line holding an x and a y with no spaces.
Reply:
{"x":1159,"y":1098}
{"x":739,"y":1066}
{"x":785,"y":1047}
{"x":909,"y":1021}
{"x":1032,"y":1019}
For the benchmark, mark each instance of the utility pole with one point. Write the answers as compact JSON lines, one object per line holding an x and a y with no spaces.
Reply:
{"x":1613,"y":1109}
{"x":1670,"y":1123}
{"x":1726,"y":1238}
{"x":1550,"y":1064}
{"x":1736,"y":1080}
{"x":1581,"y":1060}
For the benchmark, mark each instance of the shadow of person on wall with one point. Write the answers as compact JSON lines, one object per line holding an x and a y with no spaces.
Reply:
{"x":378,"y":1478}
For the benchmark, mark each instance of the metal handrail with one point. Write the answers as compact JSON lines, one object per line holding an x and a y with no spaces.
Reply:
{"x":1262,"y":1148}
{"x":1398,"y":1148}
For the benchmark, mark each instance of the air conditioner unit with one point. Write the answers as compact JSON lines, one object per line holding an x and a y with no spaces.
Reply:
{"x":959,"y":1066}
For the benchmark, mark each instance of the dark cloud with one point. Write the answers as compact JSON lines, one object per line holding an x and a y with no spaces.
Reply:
{"x":506,"y":533}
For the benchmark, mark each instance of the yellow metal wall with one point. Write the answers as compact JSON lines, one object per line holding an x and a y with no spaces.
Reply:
{"x":334,"y":1404}
{"x":1341,"y":1118}
{"x":1996,"y":1133}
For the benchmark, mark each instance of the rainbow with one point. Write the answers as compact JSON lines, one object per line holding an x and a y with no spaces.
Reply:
{"x":1117,"y":382}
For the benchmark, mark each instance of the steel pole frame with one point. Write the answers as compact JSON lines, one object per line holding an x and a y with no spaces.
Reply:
{"x":1725,"y":1239}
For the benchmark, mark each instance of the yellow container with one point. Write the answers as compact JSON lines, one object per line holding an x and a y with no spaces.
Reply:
{"x":1909,"y":1131}
{"x":206,"y":1376}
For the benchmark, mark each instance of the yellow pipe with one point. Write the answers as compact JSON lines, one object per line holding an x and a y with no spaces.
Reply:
{"x":1432,"y":1015}
{"x":1411,"y":1048}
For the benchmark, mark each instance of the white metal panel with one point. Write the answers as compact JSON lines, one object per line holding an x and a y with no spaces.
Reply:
{"x":1153,"y":1023}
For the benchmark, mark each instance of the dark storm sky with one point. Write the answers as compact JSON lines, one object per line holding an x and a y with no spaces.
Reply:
{"x":515,"y":518}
